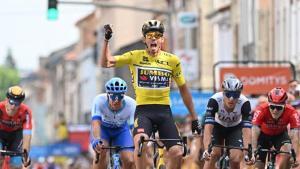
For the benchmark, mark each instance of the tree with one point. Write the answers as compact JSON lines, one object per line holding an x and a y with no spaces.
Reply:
{"x":8,"y":77}
{"x":10,"y":61}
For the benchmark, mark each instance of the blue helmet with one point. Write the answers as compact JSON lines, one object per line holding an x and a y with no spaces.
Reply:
{"x":116,"y":85}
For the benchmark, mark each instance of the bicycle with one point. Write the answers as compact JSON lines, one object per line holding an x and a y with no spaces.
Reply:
{"x":271,"y":155}
{"x":158,"y":150}
{"x":114,"y":160}
{"x":8,"y":154}
{"x":223,"y":162}
{"x":156,"y":146}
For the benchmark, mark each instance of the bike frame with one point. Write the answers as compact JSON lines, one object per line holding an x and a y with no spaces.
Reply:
{"x":156,"y":147}
{"x":115,"y":160}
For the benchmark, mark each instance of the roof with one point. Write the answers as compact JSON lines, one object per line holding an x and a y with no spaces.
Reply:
{"x":55,"y":57}
{"x":132,"y":46}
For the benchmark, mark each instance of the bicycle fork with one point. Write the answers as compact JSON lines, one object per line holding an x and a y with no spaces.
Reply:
{"x":116,"y":161}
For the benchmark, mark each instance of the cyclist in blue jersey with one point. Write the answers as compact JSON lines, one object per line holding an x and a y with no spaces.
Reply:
{"x":110,"y":113}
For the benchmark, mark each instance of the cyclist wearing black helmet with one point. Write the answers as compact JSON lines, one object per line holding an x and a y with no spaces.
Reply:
{"x":152,"y":72}
{"x":15,"y":125}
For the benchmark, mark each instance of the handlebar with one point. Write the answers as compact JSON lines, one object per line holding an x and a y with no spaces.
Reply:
{"x":249,"y":149}
{"x":117,"y":148}
{"x":14,"y":153}
{"x":142,"y":140}
{"x":293,"y":153}
{"x":274,"y":152}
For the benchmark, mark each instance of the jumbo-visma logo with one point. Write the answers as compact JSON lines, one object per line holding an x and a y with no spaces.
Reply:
{"x":153,"y":77}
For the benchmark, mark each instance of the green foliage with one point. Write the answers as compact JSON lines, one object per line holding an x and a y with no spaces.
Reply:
{"x":8,"y":77}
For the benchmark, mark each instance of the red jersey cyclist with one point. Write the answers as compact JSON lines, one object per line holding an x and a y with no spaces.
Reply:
{"x":15,"y":125}
{"x":269,"y":128}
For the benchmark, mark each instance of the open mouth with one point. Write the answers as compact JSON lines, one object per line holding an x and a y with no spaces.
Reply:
{"x":153,"y":45}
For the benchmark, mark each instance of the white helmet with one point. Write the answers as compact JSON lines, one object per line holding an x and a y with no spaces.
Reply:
{"x":232,"y":84}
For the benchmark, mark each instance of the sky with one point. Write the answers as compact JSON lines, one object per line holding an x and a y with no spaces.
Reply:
{"x":26,"y":30}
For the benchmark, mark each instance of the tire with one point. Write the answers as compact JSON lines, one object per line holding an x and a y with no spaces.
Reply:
{"x":162,"y":167}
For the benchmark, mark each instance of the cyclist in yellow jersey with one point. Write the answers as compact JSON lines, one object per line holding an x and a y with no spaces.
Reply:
{"x":152,"y":71}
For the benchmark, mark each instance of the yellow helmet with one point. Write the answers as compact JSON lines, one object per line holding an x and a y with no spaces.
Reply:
{"x":15,"y":93}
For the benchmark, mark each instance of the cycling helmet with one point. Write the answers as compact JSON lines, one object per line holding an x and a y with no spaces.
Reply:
{"x":277,"y":95}
{"x":153,"y":25}
{"x":116,"y":85}
{"x":15,"y":93}
{"x":232,"y":84}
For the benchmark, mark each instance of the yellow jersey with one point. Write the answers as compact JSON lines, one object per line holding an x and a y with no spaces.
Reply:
{"x":151,"y":76}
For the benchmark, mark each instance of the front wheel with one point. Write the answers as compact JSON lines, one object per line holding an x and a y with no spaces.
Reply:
{"x":270,"y":166}
{"x":161,"y":167}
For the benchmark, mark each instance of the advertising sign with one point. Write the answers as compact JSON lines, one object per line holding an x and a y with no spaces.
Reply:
{"x":200,"y":100}
{"x":187,"y":19}
{"x":258,"y":80}
{"x":80,"y":134}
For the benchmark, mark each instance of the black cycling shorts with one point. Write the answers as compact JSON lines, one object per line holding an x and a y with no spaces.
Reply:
{"x":231,"y":136}
{"x":11,"y":140}
{"x":266,"y":142}
{"x":147,"y":116}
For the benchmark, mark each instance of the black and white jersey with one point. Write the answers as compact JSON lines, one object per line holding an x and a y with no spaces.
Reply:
{"x":216,"y":113}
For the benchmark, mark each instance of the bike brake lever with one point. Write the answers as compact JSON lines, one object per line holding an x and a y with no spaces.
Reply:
{"x":184,"y":142}
{"x":141,"y":141}
{"x":97,"y":158}
{"x":250,"y":151}
{"x":209,"y":149}
{"x":293,"y":155}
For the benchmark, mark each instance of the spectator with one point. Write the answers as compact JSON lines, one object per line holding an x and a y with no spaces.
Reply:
{"x":40,"y":164}
{"x":61,"y":129}
{"x":292,"y":86}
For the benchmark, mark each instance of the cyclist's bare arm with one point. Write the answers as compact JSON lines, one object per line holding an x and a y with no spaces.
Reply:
{"x":96,"y":129}
{"x":26,"y":142}
{"x":107,"y":60}
{"x":208,"y":128}
{"x":294,"y":133}
{"x":187,"y":99}
{"x":246,"y":136}
{"x":246,"y":121}
{"x":255,"y":134}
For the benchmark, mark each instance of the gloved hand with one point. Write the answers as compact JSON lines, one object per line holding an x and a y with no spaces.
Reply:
{"x":206,"y":155}
{"x":95,"y":143}
{"x":107,"y":32}
{"x":248,"y":160}
{"x":295,"y":164}
{"x":196,"y":127}
{"x":26,"y":159}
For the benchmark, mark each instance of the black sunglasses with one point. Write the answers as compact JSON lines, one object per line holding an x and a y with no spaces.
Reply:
{"x":234,"y":95}
{"x":277,"y":107}
{"x":11,"y":102}
{"x":116,"y":96}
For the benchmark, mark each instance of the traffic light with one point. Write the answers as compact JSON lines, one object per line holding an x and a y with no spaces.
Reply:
{"x":52,"y":13}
